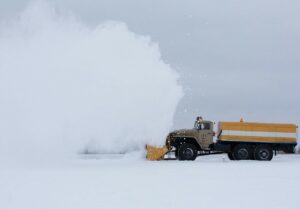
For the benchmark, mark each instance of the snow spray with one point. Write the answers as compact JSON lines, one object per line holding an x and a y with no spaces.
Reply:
{"x":66,"y":87}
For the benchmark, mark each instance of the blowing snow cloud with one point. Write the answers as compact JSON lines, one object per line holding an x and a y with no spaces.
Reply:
{"x":66,"y":87}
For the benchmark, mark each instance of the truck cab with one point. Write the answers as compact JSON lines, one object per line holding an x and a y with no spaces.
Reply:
{"x":204,"y":133}
{"x":187,"y":142}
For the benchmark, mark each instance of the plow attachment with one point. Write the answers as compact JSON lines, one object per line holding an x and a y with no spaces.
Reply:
{"x":156,"y":153}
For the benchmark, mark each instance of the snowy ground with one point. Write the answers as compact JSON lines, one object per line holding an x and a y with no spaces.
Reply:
{"x":129,"y":182}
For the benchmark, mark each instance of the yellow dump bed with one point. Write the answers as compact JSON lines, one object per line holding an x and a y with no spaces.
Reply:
{"x":257,"y":132}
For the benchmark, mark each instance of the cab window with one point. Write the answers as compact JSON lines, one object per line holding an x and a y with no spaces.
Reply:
{"x":206,"y":126}
{"x":202,"y":126}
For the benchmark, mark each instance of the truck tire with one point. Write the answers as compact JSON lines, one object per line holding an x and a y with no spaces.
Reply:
{"x":263,"y":153}
{"x":187,"y":152}
{"x":242,"y":152}
{"x":176,"y":153}
{"x":230,"y":156}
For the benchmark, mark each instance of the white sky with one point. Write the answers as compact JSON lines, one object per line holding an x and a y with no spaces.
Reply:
{"x":235,"y":58}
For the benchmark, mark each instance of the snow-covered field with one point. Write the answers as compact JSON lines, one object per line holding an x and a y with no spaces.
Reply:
{"x":68,"y":87}
{"x":130,"y":182}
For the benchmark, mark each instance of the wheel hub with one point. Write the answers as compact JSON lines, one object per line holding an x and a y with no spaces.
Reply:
{"x":243,"y":153}
{"x":188,"y":153}
{"x":264,"y":154}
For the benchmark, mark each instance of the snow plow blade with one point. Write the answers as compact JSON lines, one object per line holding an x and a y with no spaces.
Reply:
{"x":156,"y":153}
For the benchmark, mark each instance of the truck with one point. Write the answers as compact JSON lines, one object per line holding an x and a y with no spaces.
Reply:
{"x":240,"y":140}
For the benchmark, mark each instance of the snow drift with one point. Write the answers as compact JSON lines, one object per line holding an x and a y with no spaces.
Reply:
{"x":66,"y":87}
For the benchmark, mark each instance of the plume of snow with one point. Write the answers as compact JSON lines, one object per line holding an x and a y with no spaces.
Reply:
{"x":66,"y":87}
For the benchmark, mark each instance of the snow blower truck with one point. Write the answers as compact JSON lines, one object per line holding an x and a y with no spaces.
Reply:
{"x":240,"y":140}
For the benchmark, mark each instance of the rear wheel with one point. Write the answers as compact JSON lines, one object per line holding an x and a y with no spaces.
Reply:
{"x":263,"y":153}
{"x":242,"y":152}
{"x":187,"y":152}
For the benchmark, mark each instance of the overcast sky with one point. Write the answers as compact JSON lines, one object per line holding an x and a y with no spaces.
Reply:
{"x":235,"y":58}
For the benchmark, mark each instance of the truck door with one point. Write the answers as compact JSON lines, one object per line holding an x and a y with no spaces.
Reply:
{"x":205,"y":136}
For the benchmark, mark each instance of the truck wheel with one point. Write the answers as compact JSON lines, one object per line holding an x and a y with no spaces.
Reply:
{"x":187,"y":152}
{"x":230,"y":156}
{"x":242,"y":152}
{"x":263,"y":152}
{"x":176,"y":152}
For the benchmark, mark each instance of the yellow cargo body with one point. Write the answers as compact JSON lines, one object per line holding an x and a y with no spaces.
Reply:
{"x":258,"y":132}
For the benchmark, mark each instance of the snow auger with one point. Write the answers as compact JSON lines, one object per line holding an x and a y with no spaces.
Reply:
{"x":156,"y":153}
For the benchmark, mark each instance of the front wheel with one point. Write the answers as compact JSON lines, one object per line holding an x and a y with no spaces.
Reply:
{"x":187,"y":152}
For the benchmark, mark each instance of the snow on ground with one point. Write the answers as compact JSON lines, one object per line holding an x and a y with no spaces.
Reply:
{"x":69,"y":80}
{"x":129,"y":182}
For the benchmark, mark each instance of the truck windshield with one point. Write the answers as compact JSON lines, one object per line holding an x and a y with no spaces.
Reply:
{"x":201,"y":126}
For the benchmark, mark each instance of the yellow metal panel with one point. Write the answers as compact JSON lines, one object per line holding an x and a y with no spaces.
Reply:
{"x":156,"y":153}
{"x":259,"y":127}
{"x":258,"y":139}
